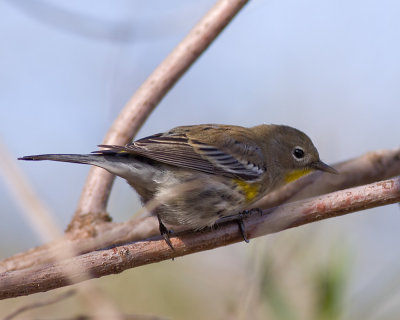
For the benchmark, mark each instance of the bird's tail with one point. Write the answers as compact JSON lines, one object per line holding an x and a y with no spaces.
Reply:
{"x":111,"y":161}
{"x":93,"y":159}
{"x":125,"y":165}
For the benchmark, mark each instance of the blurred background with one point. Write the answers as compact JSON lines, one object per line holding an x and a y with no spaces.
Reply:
{"x":329,"y":68}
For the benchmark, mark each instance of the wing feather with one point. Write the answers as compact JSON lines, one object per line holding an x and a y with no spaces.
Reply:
{"x":181,"y":151}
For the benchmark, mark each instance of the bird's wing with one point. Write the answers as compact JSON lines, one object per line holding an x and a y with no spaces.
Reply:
{"x":179,"y":149}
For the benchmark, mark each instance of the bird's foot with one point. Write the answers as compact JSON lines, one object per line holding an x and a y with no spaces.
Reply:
{"x":165,"y":232}
{"x":242,"y":215}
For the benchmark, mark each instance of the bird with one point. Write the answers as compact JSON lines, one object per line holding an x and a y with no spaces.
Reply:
{"x":198,"y":174}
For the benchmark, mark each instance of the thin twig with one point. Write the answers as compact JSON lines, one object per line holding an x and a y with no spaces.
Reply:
{"x":43,"y":223}
{"x":118,"y":259}
{"x":34,"y":210}
{"x":40,"y":304}
{"x":92,"y":204}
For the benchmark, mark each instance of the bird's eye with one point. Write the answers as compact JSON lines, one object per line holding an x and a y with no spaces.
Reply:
{"x":298,"y":153}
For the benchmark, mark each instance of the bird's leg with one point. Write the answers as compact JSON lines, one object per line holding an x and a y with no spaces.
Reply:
{"x":241,"y":224}
{"x":242,"y":231}
{"x":164,"y":232}
{"x":240,"y":221}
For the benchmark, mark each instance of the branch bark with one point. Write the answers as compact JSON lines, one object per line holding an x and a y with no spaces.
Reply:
{"x":91,"y":208}
{"x":118,"y":259}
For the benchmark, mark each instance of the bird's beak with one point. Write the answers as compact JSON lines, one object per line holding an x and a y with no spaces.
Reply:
{"x":319,"y":165}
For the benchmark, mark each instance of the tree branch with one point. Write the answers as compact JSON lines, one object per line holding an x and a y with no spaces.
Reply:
{"x":118,"y":259}
{"x":93,"y":201}
{"x":367,"y":168}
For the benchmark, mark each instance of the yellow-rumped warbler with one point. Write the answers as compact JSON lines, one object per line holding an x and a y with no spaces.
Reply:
{"x":231,"y":166}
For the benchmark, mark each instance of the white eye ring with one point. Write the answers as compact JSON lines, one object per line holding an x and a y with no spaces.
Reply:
{"x":298,"y":153}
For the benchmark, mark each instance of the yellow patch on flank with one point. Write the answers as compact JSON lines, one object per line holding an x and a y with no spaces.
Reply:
{"x":296,"y":174}
{"x":251,"y":190}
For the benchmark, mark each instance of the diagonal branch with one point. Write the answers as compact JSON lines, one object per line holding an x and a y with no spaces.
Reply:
{"x":92,"y":204}
{"x":118,"y":259}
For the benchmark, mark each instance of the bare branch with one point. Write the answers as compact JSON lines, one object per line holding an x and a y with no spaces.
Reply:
{"x":35,"y":211}
{"x":367,"y":168}
{"x":92,"y":205}
{"x":118,"y":259}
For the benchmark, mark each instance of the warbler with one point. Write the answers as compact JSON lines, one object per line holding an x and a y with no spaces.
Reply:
{"x":226,"y":168}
